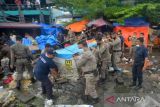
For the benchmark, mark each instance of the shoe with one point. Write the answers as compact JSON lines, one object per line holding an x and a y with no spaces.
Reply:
{"x":138,"y":87}
{"x":48,"y":102}
{"x":95,"y":100}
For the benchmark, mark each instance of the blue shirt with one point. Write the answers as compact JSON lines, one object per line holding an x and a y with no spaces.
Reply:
{"x":43,"y":66}
{"x":140,"y":54}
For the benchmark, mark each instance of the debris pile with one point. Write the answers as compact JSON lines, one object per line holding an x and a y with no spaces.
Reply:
{"x":6,"y":97}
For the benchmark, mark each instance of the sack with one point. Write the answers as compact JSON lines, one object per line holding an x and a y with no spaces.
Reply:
{"x":26,"y":75}
{"x":148,"y":64}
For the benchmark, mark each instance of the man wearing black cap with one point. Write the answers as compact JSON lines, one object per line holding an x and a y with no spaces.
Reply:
{"x":141,"y":57}
{"x":47,"y":47}
{"x":43,"y":67}
{"x":21,"y":57}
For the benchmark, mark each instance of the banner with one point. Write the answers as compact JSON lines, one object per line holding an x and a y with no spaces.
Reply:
{"x":128,"y":31}
{"x":91,"y":43}
{"x":68,"y":64}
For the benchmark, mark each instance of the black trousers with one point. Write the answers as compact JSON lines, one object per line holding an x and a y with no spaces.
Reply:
{"x":47,"y":87}
{"x":137,"y":73}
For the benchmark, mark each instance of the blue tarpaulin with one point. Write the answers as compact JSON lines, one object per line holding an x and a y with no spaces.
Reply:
{"x":44,"y":39}
{"x":136,"y":22}
{"x":49,"y":35}
{"x":49,"y":30}
{"x":116,"y":24}
{"x":133,"y":22}
{"x":68,"y":52}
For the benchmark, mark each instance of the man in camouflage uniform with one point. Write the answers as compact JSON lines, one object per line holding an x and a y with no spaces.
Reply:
{"x":21,"y":58}
{"x":87,"y":63}
{"x":71,"y":36}
{"x":116,"y":51}
{"x":104,"y":57}
{"x":133,"y":48}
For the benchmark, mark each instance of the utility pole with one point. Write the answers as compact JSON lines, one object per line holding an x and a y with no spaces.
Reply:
{"x":3,"y":13}
{"x":41,"y":16}
{"x":21,"y":15}
{"x":50,"y":15}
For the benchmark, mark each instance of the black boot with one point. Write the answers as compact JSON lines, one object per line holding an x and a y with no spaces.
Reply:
{"x":95,"y":100}
{"x":33,"y":80}
{"x":18,"y":87}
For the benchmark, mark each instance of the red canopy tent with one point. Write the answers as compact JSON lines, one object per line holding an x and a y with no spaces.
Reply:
{"x":129,"y":30}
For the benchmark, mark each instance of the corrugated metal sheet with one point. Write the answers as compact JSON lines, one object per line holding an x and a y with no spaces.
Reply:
{"x":19,"y":25}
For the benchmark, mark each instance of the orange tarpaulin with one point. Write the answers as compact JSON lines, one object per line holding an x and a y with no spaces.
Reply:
{"x":77,"y":26}
{"x":128,"y":31}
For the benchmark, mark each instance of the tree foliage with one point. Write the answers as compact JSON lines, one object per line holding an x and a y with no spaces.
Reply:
{"x":113,"y":9}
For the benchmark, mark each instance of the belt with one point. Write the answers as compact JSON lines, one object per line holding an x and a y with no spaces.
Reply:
{"x":117,"y":50}
{"x":89,"y":72}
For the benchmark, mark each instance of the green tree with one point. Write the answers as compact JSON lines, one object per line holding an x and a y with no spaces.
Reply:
{"x":112,"y":9}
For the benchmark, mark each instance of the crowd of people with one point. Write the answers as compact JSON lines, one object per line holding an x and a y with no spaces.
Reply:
{"x":93,"y":65}
{"x":29,"y":4}
{"x":25,"y":4}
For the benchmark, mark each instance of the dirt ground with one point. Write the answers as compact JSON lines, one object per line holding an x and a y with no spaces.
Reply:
{"x":70,"y":93}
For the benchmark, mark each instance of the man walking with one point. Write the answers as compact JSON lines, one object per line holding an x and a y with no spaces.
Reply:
{"x":141,"y":57}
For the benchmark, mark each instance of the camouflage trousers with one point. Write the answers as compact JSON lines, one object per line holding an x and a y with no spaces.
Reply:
{"x":104,"y":69}
{"x":132,"y":51}
{"x":116,"y":58}
{"x":21,"y":66}
{"x":90,"y":88}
